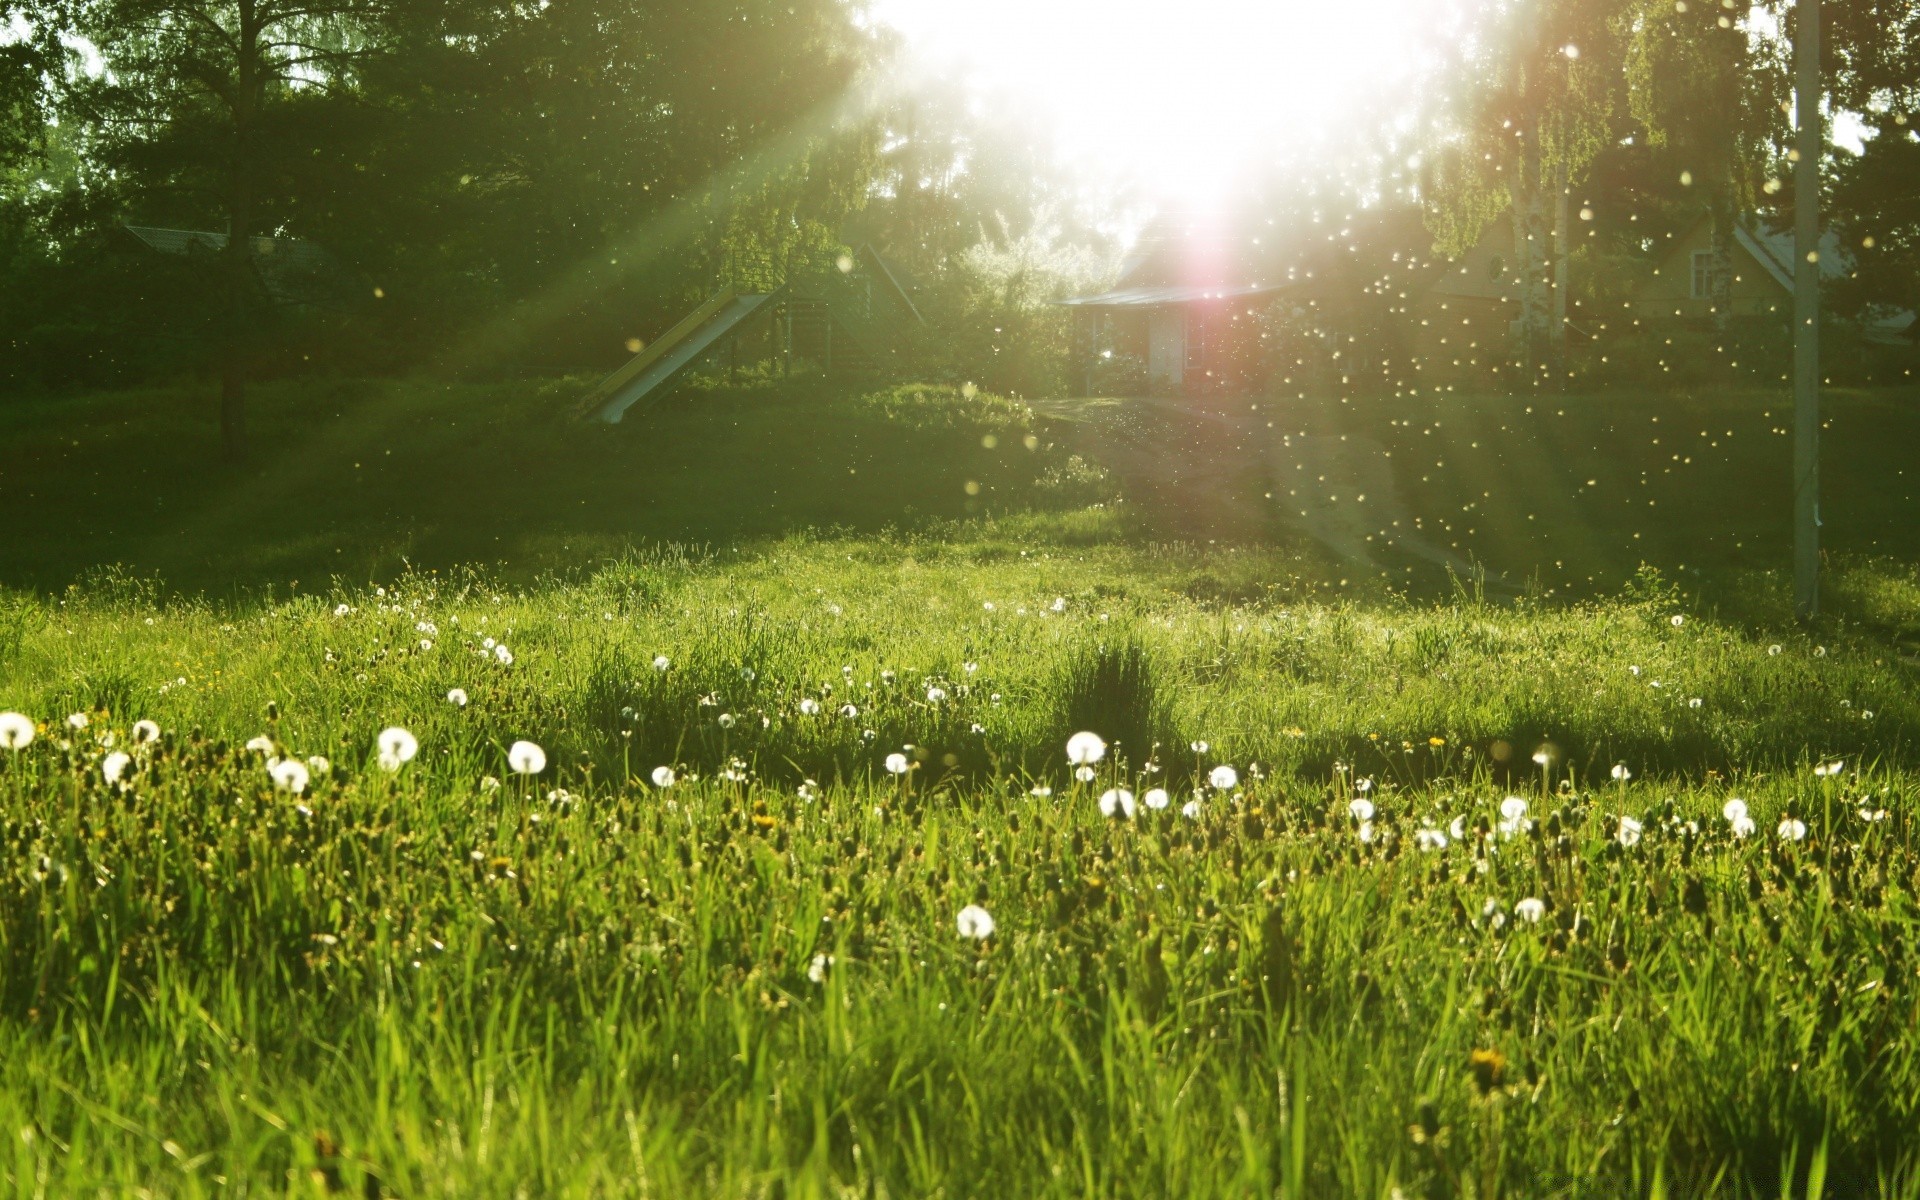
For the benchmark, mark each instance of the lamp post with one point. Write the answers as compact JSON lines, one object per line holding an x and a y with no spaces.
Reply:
{"x":1806,"y":311}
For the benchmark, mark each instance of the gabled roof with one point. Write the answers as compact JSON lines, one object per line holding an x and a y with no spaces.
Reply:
{"x":1775,"y":251}
{"x":290,"y":271}
{"x":1149,"y":297}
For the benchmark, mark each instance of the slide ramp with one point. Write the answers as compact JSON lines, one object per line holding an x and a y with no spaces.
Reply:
{"x":653,"y":371}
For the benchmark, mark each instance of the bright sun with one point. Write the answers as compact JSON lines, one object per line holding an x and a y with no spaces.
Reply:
{"x":1184,"y":96}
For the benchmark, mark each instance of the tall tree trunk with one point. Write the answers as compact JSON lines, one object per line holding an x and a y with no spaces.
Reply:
{"x":239,"y":255}
{"x":1562,"y":249}
{"x":1530,"y":254}
{"x":1720,"y":247}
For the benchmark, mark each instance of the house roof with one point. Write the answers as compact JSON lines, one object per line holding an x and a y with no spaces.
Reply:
{"x":1775,"y":251}
{"x":1149,"y":297}
{"x":290,"y":271}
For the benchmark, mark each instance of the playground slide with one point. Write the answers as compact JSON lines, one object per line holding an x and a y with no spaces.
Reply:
{"x":654,"y":369}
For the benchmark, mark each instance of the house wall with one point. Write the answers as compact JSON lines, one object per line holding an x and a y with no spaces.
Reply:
{"x":1166,"y":348}
{"x":1668,"y":293}
{"x":1447,"y":331}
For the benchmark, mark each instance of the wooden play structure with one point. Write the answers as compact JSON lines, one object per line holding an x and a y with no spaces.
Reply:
{"x":850,"y":316}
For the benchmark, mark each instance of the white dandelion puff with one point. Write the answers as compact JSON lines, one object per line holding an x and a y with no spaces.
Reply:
{"x":975,"y":922}
{"x":897,"y":764}
{"x":114,"y":766}
{"x":289,"y":775}
{"x":1116,"y":800}
{"x":457,"y":697}
{"x":1361,"y":808}
{"x":809,"y":706}
{"x":525,"y":758}
{"x":818,"y":968}
{"x":1084,"y":774}
{"x":397,"y":747}
{"x":1430,"y":839}
{"x":936,"y":695}
{"x":1224,"y":778}
{"x":661,"y":662}
{"x":260,"y":744}
{"x":145,"y":732}
{"x":1620,"y":773}
{"x":504,"y":655}
{"x":1734,"y":809}
{"x":663,"y":777}
{"x":77,"y":721}
{"x":1157,"y":798}
{"x":1191,"y":810}
{"x":1629,"y":832}
{"x":1085,"y":749}
{"x":1792,"y":829}
{"x":318,"y":764}
{"x":16,"y":730}
{"x":1530,"y":910}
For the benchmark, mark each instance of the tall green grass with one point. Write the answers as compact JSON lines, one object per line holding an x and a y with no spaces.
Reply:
{"x":453,"y":980}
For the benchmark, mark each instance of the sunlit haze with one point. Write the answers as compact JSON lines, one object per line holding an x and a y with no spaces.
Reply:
{"x":1181,"y":98}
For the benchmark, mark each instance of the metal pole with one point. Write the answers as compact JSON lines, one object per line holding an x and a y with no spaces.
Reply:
{"x":1806,"y":312}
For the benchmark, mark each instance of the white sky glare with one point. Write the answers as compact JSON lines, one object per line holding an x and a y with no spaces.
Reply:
{"x":1181,"y":96}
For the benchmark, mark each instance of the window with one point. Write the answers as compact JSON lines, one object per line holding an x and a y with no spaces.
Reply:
{"x":1702,"y":275}
{"x":1196,"y":340}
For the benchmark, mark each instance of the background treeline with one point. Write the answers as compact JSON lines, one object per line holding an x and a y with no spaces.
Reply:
{"x":518,"y":188}
{"x":504,"y":186}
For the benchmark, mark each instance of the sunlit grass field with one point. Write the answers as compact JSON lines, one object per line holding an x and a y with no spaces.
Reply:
{"x":1398,"y":883}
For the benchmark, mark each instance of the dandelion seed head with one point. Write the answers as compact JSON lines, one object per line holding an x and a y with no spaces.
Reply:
{"x":526,"y":758}
{"x":145,"y":732}
{"x":898,"y":764}
{"x":1629,"y":832}
{"x":457,"y":697}
{"x":397,"y":747}
{"x":1157,"y":798}
{"x":114,"y":766}
{"x":663,"y":777}
{"x":975,"y":922}
{"x":16,"y":730}
{"x":1084,"y":749}
{"x":1116,"y":801}
{"x":289,"y":775}
{"x":1223,"y":778}
{"x":1530,"y":910}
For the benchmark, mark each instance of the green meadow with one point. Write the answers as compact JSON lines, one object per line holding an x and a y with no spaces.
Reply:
{"x":1470,"y":816}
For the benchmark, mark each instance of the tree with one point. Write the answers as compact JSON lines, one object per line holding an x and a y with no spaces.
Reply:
{"x":1707,"y":91}
{"x":200,"y":84}
{"x":1539,"y":92}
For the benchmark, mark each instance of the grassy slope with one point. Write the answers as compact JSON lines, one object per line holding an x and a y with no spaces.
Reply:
{"x":468,"y":992}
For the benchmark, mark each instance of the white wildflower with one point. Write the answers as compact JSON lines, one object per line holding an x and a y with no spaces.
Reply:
{"x":975,"y":922}
{"x":16,"y":730}
{"x":1084,"y":749}
{"x":525,"y":758}
{"x":397,"y":748}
